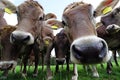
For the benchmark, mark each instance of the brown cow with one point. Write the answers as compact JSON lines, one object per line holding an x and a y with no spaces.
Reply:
{"x":31,"y":31}
{"x":30,"y":21}
{"x":61,"y":45}
{"x":110,"y":31}
{"x":62,"y":52}
{"x":5,"y":49}
{"x":86,"y":47}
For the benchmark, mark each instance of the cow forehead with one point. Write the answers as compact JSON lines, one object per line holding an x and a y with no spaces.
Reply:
{"x":78,"y":9}
{"x":76,"y":4}
{"x":31,"y":4}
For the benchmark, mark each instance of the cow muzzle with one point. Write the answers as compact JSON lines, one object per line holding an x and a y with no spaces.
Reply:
{"x":21,"y":37}
{"x":60,"y":60}
{"x":7,"y":65}
{"x":89,"y":50}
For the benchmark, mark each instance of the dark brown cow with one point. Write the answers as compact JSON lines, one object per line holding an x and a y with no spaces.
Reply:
{"x":86,"y":47}
{"x":62,"y":46}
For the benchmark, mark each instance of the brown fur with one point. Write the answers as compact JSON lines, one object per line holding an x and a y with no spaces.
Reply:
{"x":6,"y":30}
{"x":73,"y":5}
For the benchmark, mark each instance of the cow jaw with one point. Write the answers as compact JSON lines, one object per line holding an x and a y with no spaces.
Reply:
{"x":22,"y":37}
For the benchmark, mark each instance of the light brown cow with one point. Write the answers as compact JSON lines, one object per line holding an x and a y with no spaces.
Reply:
{"x":86,"y":47}
{"x":30,"y":22}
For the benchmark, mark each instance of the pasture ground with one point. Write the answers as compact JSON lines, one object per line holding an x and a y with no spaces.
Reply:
{"x":64,"y":75}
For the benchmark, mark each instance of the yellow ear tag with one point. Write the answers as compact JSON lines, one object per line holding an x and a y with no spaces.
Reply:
{"x":8,"y":11}
{"x":107,"y":10}
{"x":54,"y":27}
{"x":46,"y":42}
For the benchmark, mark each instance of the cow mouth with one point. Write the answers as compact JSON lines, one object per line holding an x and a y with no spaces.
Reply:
{"x":7,"y":65}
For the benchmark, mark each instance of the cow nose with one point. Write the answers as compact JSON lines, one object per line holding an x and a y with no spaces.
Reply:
{"x":84,"y":51}
{"x":89,"y":52}
{"x":21,"y":37}
{"x":6,"y":66}
{"x":60,"y":61}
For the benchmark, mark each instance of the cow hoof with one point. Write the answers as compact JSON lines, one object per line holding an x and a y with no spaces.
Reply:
{"x":96,"y":75}
{"x":50,"y":78}
{"x":3,"y":77}
{"x":35,"y":75}
{"x":109,"y":72}
{"x":24,"y":74}
{"x":74,"y":77}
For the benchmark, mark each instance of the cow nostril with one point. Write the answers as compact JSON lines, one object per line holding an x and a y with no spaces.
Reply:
{"x":13,"y":38}
{"x":102,"y":50}
{"x":60,"y":61}
{"x":26,"y":38}
{"x":77,"y":51}
{"x":76,"y":48}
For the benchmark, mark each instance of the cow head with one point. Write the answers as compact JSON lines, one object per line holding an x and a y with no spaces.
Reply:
{"x":111,"y":18}
{"x":86,"y":47}
{"x":105,"y":7}
{"x":62,"y":46}
{"x":7,"y":60}
{"x":30,"y":18}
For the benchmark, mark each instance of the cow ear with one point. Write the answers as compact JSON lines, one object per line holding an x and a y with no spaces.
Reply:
{"x":50,"y":16}
{"x":8,"y":6}
{"x":105,"y":7}
{"x":55,"y":24}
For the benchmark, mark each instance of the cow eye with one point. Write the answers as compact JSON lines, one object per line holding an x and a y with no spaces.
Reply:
{"x":41,"y":18}
{"x":64,"y":23}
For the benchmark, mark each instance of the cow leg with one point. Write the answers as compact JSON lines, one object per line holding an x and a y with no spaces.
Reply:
{"x":109,"y":67}
{"x":94,"y":70}
{"x":36,"y":53}
{"x":5,"y":74}
{"x":49,"y":72}
{"x":47,"y":61}
{"x":57,"y":67}
{"x":75,"y":73}
{"x":67,"y":61}
{"x":115,"y":57}
{"x":21,"y":65}
{"x":25,"y":58}
{"x":42,"y":61}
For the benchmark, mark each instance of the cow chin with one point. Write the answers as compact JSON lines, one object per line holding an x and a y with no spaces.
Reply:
{"x":89,"y":50}
{"x":21,"y":37}
{"x":7,"y":65}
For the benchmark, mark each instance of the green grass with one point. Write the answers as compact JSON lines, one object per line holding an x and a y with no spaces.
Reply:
{"x":64,"y":75}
